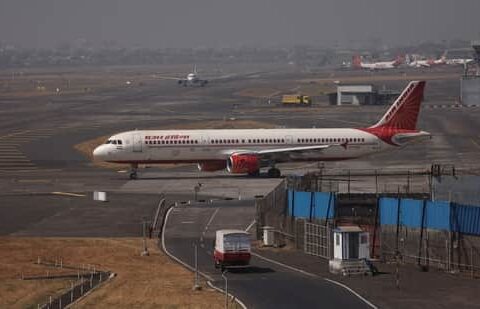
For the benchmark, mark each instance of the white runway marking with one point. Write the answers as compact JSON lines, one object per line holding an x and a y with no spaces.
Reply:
{"x":210,"y":221}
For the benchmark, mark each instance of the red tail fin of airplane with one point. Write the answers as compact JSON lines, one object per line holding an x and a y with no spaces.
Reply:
{"x":399,"y":60}
{"x":403,"y":113}
{"x":357,"y":62}
{"x":401,"y":117}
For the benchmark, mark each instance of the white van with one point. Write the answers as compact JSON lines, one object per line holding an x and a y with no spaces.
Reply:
{"x":232,"y":248}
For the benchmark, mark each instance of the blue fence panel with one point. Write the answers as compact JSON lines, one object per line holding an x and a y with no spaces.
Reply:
{"x":388,"y":210}
{"x":437,"y":215}
{"x":311,"y":204}
{"x":302,"y":201}
{"x":466,"y":219}
{"x":411,"y":213}
{"x":324,"y":205}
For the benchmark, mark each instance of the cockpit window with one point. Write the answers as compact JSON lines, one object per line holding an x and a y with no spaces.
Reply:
{"x":114,"y":142}
{"x":119,"y":142}
{"x":108,"y":142}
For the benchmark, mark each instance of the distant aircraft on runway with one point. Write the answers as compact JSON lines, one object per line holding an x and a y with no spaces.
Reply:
{"x":413,"y":61}
{"x":247,"y":151}
{"x":357,"y":63}
{"x":192,"y":79}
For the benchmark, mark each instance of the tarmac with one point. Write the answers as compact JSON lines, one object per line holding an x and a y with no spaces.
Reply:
{"x":37,"y":158}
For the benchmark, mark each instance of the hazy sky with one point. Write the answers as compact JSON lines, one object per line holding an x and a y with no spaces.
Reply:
{"x":220,"y":23}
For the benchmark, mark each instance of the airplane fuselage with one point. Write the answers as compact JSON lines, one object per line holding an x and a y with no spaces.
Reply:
{"x":197,"y":146}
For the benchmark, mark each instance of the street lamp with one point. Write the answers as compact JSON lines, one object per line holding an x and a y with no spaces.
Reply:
{"x":224,"y":276}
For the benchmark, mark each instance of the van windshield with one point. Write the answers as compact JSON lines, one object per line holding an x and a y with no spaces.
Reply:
{"x":236,"y":242}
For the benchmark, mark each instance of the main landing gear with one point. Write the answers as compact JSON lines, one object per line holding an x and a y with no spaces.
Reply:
{"x":133,"y":172}
{"x":274,"y":173}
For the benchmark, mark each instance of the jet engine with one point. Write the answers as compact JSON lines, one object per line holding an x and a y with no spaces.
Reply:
{"x":212,"y":166}
{"x":243,"y":163}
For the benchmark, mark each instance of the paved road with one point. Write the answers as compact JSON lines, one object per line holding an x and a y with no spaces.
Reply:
{"x":265,"y":284}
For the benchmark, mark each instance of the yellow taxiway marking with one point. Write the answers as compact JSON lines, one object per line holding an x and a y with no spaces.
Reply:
{"x":15,"y":164}
{"x":19,"y":138}
{"x":34,"y":181}
{"x":69,"y":194}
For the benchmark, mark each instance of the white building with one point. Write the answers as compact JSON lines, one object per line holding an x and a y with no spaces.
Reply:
{"x":355,"y":95}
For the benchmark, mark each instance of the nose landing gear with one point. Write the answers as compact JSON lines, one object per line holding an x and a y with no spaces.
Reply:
{"x":133,"y":172}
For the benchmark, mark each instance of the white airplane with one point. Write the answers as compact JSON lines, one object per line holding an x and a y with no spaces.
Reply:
{"x":413,"y":61}
{"x":384,"y":65}
{"x":458,"y":61}
{"x":247,"y":151}
{"x":192,"y":79}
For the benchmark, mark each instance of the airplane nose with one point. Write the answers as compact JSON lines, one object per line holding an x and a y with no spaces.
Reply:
{"x":99,"y":153}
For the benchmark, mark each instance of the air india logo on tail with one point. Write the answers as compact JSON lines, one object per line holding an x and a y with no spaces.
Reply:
{"x":402,"y":116}
{"x":403,"y":113}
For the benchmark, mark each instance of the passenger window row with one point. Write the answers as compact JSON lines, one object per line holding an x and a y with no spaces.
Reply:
{"x":330,"y":140}
{"x":250,"y":141}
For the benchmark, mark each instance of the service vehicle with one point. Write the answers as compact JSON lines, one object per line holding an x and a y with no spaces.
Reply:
{"x":232,"y":249}
{"x":296,"y":99}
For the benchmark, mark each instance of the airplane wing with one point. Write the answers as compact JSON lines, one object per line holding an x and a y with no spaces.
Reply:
{"x":167,"y":77}
{"x":282,"y":154}
{"x":233,"y":76}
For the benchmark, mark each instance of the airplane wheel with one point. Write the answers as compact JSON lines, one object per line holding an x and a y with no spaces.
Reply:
{"x":274,"y":173}
{"x":133,"y":175}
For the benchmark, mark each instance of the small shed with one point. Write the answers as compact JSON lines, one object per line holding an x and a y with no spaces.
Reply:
{"x":350,"y":242}
{"x":350,"y":251}
{"x":355,"y":95}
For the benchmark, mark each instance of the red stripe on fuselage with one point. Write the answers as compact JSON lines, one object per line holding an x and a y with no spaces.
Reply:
{"x":386,"y":134}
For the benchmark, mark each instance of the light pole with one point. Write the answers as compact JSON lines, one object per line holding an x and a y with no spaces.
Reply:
{"x":145,"y":249}
{"x":196,"y":286}
{"x":224,"y":276}
{"x":196,"y":189}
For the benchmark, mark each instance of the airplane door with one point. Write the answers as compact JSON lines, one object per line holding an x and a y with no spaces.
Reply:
{"x":204,"y":140}
{"x":137,"y":142}
{"x":289,"y":139}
